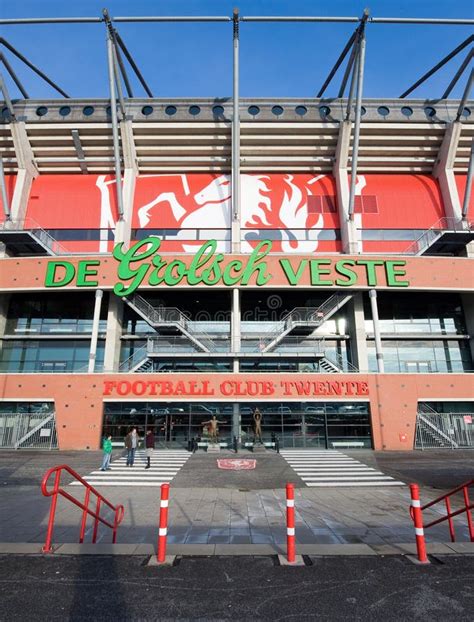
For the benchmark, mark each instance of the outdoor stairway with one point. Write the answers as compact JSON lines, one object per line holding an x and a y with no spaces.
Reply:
{"x":169,"y":321}
{"x":431,"y":429}
{"x":448,"y":236}
{"x":27,"y":238}
{"x":302,"y":321}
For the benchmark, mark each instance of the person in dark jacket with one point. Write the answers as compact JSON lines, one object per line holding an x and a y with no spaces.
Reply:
{"x":131,"y":444}
{"x":149,"y":447}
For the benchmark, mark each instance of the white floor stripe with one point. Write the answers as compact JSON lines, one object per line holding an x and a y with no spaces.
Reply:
{"x":352,"y":484}
{"x":326,"y":469}
{"x":164,"y":467}
{"x":141,"y":483}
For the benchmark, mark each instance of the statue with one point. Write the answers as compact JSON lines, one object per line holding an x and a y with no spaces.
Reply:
{"x":257,"y":426}
{"x":213,"y":429}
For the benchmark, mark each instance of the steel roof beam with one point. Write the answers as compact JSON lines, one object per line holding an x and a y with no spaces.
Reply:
{"x":115,"y":134}
{"x":133,"y":64}
{"x":79,"y":150}
{"x":441,"y":63}
{"x":458,"y":74}
{"x":13,"y":76}
{"x":360,"y":82}
{"x":33,"y":67}
{"x":468,"y":189}
{"x":6,"y":97}
{"x":250,"y":18}
{"x":466,"y":93}
{"x":338,"y":63}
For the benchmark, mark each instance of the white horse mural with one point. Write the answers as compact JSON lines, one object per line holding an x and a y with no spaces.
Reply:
{"x":276,"y":202}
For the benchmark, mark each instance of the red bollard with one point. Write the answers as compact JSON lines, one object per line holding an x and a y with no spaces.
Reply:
{"x":163,"y":527}
{"x":417,"y":517}
{"x":290,"y":523}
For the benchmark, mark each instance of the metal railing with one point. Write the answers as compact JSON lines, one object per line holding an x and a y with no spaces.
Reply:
{"x":428,"y":237}
{"x":466,"y":509}
{"x":342,"y":363}
{"x":134,"y":359}
{"x":311,"y":316}
{"x":170,"y":315}
{"x":28,"y":431}
{"x":443,"y":430}
{"x":33,"y":228}
{"x":118,"y":510}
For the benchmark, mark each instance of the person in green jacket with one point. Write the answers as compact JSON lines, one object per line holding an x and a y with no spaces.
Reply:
{"x":107,"y":447}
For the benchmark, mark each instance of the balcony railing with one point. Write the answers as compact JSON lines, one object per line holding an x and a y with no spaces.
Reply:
{"x":430,"y":236}
{"x":31,"y":226}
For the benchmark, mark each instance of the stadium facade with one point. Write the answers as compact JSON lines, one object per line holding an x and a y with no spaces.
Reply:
{"x":211,"y":274}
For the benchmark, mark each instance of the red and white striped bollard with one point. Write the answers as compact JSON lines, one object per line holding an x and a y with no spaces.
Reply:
{"x":163,"y":526}
{"x":290,"y":523}
{"x":417,"y":517}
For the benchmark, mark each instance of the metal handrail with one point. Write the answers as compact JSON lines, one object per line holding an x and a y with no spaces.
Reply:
{"x":28,"y":224}
{"x":126,"y":364}
{"x":173,"y":315}
{"x":86,"y":511}
{"x":316,"y":315}
{"x":468,"y":506}
{"x":344,"y":365}
{"x":447,"y":223}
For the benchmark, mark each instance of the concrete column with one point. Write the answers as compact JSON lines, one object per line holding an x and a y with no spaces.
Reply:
{"x":123,"y":227}
{"x":443,"y":171}
{"x":235,"y":321}
{"x":468,"y":309}
{"x":378,"y":340}
{"x":4,"y":305}
{"x":357,"y":333}
{"x":113,"y":334}
{"x":236,"y":337}
{"x":27,"y":171}
{"x":95,"y":331}
{"x":349,"y":233}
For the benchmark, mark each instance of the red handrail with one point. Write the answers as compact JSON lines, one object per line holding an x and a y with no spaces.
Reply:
{"x":450,"y":515}
{"x":118,"y":510}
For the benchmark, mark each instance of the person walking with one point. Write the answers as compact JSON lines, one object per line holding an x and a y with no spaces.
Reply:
{"x":107,"y":449}
{"x":131,"y":443}
{"x":149,"y":447}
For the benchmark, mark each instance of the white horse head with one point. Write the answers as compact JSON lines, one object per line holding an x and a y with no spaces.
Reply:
{"x":217,"y":191}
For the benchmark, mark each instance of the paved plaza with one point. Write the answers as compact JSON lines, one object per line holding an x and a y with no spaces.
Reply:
{"x":209,"y":506}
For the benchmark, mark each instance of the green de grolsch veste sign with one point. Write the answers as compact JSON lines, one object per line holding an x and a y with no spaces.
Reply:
{"x":142,"y":266}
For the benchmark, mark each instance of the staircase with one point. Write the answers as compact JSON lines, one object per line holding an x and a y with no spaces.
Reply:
{"x":433,"y":429}
{"x":26,"y":237}
{"x":169,"y":321}
{"x":303,"y":321}
{"x":447,"y":236}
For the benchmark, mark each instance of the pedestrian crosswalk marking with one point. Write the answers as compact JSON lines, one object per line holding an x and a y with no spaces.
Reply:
{"x":164,"y":466}
{"x":324,"y":469}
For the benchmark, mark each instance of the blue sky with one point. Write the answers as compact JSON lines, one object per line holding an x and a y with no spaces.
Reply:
{"x":195,"y":60}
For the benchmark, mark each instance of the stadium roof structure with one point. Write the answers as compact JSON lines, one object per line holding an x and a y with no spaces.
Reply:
{"x":153,"y":135}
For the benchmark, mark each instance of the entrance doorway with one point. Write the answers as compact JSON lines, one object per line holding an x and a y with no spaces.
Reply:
{"x":315,"y":425}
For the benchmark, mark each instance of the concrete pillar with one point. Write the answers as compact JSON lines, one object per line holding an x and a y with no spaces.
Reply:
{"x":95,"y":330}
{"x":113,"y":334}
{"x":27,"y":171}
{"x":4,"y":305}
{"x":443,"y":171}
{"x":378,"y":340}
{"x":468,"y":309}
{"x":349,"y":233}
{"x":123,"y":227}
{"x":357,"y":333}
{"x":236,"y":338}
{"x":235,"y":328}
